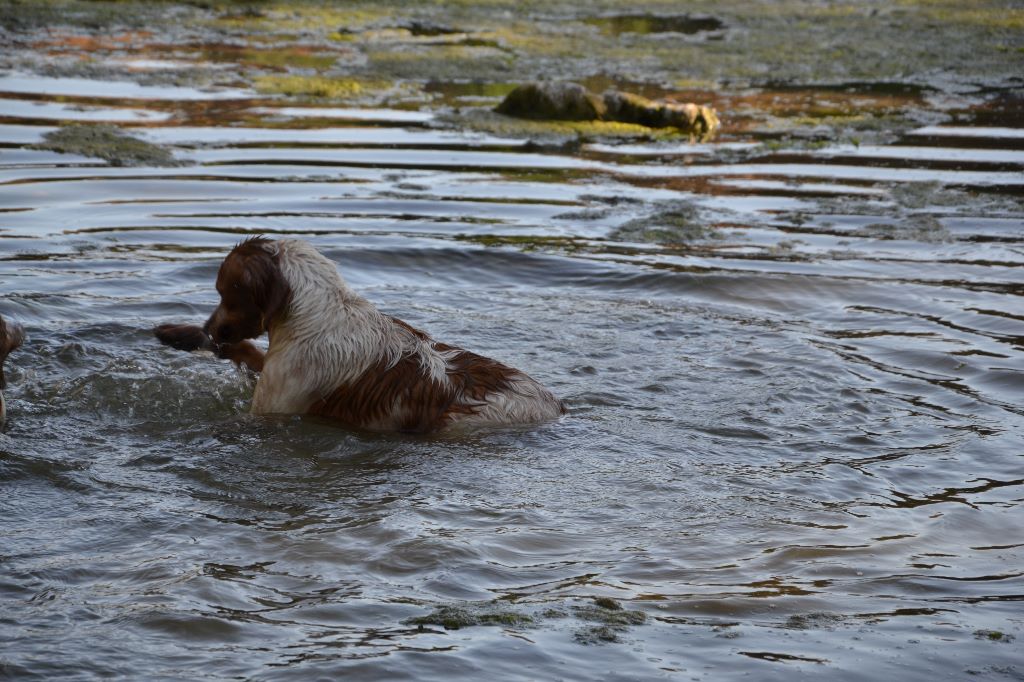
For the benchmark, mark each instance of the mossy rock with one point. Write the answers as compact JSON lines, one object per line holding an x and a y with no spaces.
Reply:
{"x":456,"y":617}
{"x":627,"y":107}
{"x":317,"y":87}
{"x":610,"y":620}
{"x":554,"y":132}
{"x":561,"y":101}
{"x":607,"y":603}
{"x":598,"y":634}
{"x":556,"y":101}
{"x":613,"y":618}
{"x":109,"y":143}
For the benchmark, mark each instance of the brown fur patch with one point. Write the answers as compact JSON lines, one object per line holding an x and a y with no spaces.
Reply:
{"x":242,"y":353}
{"x":476,"y":376}
{"x":253,"y":292}
{"x":404,"y":397}
{"x":11,"y":336}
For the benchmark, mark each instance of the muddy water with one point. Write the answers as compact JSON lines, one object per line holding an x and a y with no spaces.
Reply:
{"x":795,"y":377}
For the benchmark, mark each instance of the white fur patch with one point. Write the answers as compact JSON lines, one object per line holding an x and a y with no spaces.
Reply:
{"x":330,"y":336}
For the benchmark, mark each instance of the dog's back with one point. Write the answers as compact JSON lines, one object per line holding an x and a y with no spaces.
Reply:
{"x":333,"y":354}
{"x":433,"y":386}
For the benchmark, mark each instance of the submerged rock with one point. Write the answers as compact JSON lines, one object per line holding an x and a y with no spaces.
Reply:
{"x":109,"y":143}
{"x":611,"y":620}
{"x":557,"y":101}
{"x":677,"y":223}
{"x":452,"y":617}
{"x":560,"y":101}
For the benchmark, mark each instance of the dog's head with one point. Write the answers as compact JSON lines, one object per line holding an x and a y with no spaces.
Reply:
{"x":253,"y":292}
{"x":11,"y":336}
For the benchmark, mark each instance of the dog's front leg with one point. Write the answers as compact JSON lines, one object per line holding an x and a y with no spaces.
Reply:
{"x":242,"y":353}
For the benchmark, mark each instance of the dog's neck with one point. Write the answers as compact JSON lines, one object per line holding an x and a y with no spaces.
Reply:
{"x":341,"y":332}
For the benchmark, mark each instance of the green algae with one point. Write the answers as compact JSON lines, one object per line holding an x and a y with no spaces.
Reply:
{"x":618,"y":618}
{"x":607,"y":603}
{"x":275,"y":57}
{"x":326,"y":87}
{"x":601,"y":621}
{"x":619,"y":24}
{"x":318,"y":87}
{"x":597,"y":634}
{"x":525,"y":242}
{"x":108,"y":143}
{"x":401,"y":54}
{"x":560,"y":132}
{"x":609,"y":620}
{"x":754,"y":43}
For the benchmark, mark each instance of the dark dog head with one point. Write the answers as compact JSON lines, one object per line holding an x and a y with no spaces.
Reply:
{"x":252,"y":292}
{"x":11,"y":336}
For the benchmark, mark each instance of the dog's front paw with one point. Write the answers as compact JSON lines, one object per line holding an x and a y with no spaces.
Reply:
{"x":183,"y":337}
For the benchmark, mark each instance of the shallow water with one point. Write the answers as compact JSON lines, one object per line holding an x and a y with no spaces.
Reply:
{"x":794,"y":377}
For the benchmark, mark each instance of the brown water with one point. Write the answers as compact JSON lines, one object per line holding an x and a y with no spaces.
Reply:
{"x":795,"y":376}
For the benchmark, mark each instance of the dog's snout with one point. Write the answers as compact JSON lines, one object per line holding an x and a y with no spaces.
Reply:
{"x":224,"y":333}
{"x":214,"y":325}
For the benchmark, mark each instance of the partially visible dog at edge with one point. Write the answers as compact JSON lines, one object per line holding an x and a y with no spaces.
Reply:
{"x":11,"y":336}
{"x":333,"y":354}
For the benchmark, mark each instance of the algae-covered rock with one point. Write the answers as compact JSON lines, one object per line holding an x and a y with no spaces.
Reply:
{"x":552,"y":101}
{"x":109,"y":143}
{"x":627,"y":107}
{"x":452,"y":617}
{"x":572,"y":102}
{"x":597,"y":634}
{"x":607,"y":603}
{"x":610,"y":620}
{"x":611,"y":617}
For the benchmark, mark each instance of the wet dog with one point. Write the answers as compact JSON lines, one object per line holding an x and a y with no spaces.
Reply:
{"x":11,"y":336}
{"x":333,"y":354}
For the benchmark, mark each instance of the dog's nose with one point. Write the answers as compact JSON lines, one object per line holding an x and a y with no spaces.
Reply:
{"x":220,"y":331}
{"x":223,"y":333}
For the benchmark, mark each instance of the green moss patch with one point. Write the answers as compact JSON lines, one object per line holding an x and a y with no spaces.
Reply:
{"x":561,"y":131}
{"x":318,"y":87}
{"x":604,"y":620}
{"x":609,"y":621}
{"x":108,"y":143}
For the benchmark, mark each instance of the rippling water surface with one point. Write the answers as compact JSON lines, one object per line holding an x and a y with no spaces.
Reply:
{"x":795,"y":382}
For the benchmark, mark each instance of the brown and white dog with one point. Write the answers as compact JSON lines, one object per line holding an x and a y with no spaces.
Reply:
{"x":333,"y":354}
{"x":11,"y":336}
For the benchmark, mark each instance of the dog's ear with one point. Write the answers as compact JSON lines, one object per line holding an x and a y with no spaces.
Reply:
{"x":263,"y":277}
